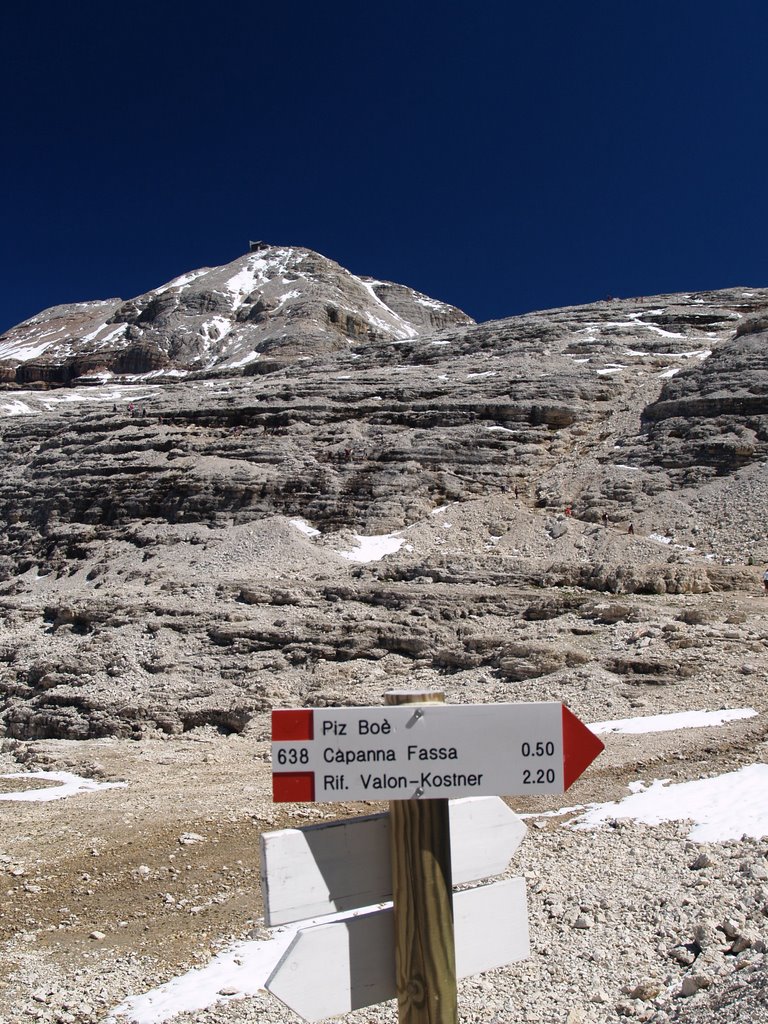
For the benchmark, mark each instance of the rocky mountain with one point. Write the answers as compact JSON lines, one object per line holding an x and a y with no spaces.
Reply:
{"x":273,"y":303}
{"x":278,"y":484}
{"x":126,"y":499}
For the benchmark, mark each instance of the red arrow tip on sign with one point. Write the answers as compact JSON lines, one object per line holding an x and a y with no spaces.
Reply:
{"x":580,"y":747}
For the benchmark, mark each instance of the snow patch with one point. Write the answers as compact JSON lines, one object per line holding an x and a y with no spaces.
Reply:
{"x":304,"y":526}
{"x":668,"y":722}
{"x":15,"y":408}
{"x":430,"y":303}
{"x":12,"y":350}
{"x":726,"y":807}
{"x":250,"y":357}
{"x":402,"y":328}
{"x":373,"y":549}
{"x":216,"y":329}
{"x":180,"y":282}
{"x":635,"y":322}
{"x":68,"y":785}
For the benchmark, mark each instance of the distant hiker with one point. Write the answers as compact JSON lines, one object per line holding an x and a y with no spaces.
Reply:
{"x":605,"y":518}
{"x":631,"y":528}
{"x":568,"y":510}
{"x":114,"y":408}
{"x":765,"y":579}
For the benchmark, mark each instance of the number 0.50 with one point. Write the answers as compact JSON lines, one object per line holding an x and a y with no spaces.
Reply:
{"x":540,"y":749}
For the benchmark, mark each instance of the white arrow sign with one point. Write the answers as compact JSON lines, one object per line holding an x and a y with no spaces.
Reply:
{"x":344,"y":865}
{"x":334,"y":968}
{"x":427,"y":751}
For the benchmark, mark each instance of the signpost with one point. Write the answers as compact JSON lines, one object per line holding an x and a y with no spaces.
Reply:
{"x":427,"y":751}
{"x":343,"y":865}
{"x":417,"y":753}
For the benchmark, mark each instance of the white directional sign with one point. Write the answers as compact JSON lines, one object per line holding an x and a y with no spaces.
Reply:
{"x":342,"y":865}
{"x":427,"y":751}
{"x":333,"y":968}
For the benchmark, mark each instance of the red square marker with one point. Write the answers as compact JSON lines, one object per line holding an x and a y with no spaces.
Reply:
{"x":293,"y":725}
{"x":293,"y":787}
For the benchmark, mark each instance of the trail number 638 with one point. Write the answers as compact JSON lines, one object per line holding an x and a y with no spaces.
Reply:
{"x":293,"y":755}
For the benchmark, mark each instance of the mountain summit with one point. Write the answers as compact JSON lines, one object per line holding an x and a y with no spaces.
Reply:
{"x":284,"y":303}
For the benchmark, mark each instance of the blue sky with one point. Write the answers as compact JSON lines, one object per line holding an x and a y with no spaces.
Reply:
{"x":501,"y":156}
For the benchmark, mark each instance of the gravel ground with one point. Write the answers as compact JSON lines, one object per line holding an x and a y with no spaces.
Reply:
{"x":104,"y":897}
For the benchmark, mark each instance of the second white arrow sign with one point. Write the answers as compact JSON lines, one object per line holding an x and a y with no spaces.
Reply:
{"x":333,"y":968}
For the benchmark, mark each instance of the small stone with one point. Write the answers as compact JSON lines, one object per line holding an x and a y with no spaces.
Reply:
{"x":704,"y":933}
{"x":730,"y":927}
{"x":188,"y":838}
{"x":702,"y":861}
{"x":646,"y":989}
{"x":229,"y":990}
{"x":584,"y":922}
{"x":682,"y":955}
{"x":759,"y":872}
{"x":97,"y":935}
{"x":693,"y":983}
{"x":742,"y":942}
{"x":599,"y":996}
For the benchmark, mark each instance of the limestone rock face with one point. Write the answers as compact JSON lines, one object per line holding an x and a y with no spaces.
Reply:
{"x":276,"y":482}
{"x":716,"y":414}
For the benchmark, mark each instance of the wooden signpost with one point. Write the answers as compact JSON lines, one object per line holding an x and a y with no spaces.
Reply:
{"x":416,"y":752}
